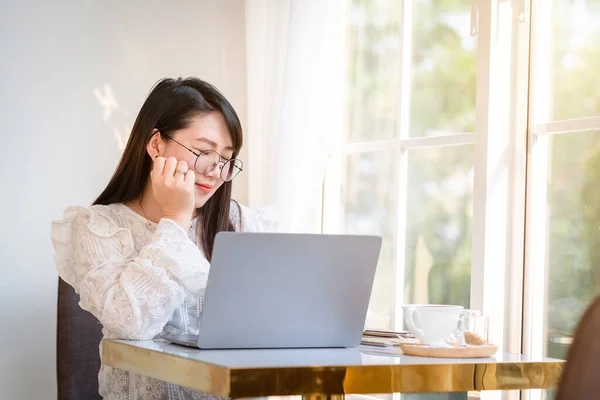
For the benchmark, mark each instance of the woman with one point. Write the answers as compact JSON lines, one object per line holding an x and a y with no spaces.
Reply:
{"x":579,"y":377}
{"x":139,"y":257}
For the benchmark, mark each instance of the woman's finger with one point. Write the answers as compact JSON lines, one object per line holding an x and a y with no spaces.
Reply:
{"x":181,"y":169}
{"x":170,"y":166}
{"x":190,"y":178}
{"x":159,"y":166}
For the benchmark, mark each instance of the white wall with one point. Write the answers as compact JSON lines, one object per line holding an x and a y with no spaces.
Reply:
{"x":57,"y":147}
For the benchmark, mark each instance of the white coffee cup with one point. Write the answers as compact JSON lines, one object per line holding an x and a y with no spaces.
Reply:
{"x":432,"y":323}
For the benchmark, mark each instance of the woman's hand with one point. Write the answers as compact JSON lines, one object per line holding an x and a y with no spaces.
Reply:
{"x":173,"y":188}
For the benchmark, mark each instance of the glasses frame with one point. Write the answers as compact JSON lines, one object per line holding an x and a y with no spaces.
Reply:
{"x":221,"y":158}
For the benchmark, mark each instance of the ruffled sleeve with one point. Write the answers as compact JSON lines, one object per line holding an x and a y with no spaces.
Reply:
{"x":132,"y":294}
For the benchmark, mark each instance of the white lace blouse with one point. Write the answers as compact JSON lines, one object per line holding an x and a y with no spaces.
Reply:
{"x":138,"y":278}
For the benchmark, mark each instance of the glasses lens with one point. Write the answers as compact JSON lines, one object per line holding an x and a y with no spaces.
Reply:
{"x":206,"y":162}
{"x":230,"y":169}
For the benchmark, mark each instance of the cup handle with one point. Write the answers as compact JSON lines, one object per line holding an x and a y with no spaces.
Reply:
{"x":410,"y":312}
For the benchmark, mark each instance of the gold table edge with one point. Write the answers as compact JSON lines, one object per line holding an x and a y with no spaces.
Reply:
{"x":335,"y":380}
{"x":172,"y":368}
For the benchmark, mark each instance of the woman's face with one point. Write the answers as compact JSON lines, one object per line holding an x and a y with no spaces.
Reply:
{"x":207,"y":131}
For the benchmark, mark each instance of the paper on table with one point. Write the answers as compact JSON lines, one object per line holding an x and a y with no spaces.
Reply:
{"x":385,"y":342}
{"x":386,"y":334}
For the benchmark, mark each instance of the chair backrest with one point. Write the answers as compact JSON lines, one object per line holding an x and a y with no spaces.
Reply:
{"x":78,"y":335}
{"x":580,"y":378}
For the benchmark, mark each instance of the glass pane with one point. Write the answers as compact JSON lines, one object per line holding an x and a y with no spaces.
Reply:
{"x":442,"y":93}
{"x":568,"y":59}
{"x":373,"y":69}
{"x":439,"y":219}
{"x":572,"y":237}
{"x":369,"y":204}
{"x":442,"y":73}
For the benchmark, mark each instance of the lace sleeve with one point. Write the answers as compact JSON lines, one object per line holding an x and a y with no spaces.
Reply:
{"x":133,"y":296}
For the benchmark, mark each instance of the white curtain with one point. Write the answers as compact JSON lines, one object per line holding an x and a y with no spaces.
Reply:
{"x":295,"y":65}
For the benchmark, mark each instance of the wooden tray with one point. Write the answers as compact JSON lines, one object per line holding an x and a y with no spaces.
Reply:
{"x":421,"y":350}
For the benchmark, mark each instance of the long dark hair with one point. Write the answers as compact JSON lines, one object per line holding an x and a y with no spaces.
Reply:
{"x":170,"y":106}
{"x":579,"y":378}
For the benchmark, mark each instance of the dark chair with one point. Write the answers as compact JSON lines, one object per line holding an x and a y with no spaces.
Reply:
{"x":78,"y":335}
{"x":580,"y":378}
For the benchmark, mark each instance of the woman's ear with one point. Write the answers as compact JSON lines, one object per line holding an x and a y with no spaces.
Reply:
{"x":155,"y":145}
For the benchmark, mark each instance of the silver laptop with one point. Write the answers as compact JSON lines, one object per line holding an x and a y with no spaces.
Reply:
{"x":280,"y":290}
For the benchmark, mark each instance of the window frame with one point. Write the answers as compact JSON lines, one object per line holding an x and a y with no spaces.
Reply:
{"x":510,"y":213}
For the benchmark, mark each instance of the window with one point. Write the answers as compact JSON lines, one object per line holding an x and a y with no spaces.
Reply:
{"x":563,"y":193}
{"x":472,"y":140}
{"x":406,"y":170}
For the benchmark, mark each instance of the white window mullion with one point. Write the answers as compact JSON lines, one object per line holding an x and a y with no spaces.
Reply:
{"x":513,"y":326}
{"x":566,"y":126}
{"x":493,"y":154}
{"x":535,"y":304}
{"x":438,"y":141}
{"x":409,"y":143}
{"x":331,"y":206}
{"x":535,"y":278}
{"x":534,"y":329}
{"x":403,"y":133}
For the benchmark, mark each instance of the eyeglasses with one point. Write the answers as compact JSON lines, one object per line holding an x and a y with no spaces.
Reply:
{"x":208,"y":160}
